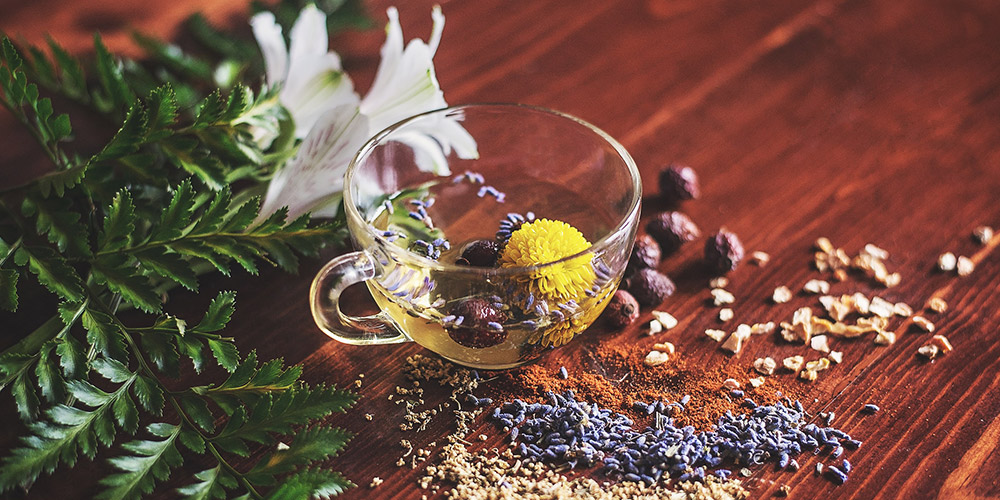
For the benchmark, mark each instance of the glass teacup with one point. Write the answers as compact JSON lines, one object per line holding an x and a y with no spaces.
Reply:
{"x":543,"y":181}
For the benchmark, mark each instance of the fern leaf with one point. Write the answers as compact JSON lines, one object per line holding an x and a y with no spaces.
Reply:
{"x":52,"y":271}
{"x":212,"y":484}
{"x":123,"y":278}
{"x":219,"y":312}
{"x":8,"y":289}
{"x":149,"y":461}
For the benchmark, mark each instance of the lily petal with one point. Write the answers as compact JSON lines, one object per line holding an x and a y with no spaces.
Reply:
{"x":272,"y":47}
{"x":317,"y":170}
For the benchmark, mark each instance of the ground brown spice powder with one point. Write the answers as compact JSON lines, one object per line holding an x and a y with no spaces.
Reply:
{"x":615,"y":376}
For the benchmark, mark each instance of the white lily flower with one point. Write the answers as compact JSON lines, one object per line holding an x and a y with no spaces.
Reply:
{"x":311,"y":78}
{"x":338,"y":122}
{"x":405,"y":85}
{"x":314,"y":179}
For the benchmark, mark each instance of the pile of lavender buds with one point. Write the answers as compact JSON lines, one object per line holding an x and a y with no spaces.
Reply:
{"x":570,"y":432}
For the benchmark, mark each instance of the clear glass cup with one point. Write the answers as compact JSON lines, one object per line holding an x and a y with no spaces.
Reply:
{"x":548,"y":165}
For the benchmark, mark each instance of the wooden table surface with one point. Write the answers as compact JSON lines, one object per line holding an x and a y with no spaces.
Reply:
{"x":863,"y":121}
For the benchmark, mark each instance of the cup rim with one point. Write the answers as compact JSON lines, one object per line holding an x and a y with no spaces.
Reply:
{"x":598,"y":246}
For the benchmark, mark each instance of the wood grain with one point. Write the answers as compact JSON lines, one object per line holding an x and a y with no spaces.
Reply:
{"x":863,"y":121}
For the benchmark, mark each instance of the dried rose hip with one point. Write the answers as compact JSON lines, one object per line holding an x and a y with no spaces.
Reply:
{"x":480,"y":253}
{"x":480,"y":325}
{"x":723,"y":251}
{"x":622,"y":309}
{"x":679,"y":183}
{"x":645,"y":253}
{"x":650,"y":287}
{"x":671,"y":230}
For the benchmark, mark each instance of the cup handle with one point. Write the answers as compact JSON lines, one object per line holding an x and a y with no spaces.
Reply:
{"x":324,"y":300}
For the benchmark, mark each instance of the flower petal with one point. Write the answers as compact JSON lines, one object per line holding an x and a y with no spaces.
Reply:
{"x":309,"y":40}
{"x":272,"y":47}
{"x":317,"y":171}
{"x":326,"y":87}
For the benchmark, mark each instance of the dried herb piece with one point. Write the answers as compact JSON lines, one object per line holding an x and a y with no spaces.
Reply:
{"x":671,"y":230}
{"x":477,"y":323}
{"x":650,"y":287}
{"x":480,"y":253}
{"x":645,"y":253}
{"x":723,"y":251}
{"x":622,"y":309}
{"x":679,"y":183}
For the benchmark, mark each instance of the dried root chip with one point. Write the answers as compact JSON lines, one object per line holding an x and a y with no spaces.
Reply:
{"x":801,"y":327}
{"x":809,"y":375}
{"x":734,"y":343}
{"x":947,"y":262}
{"x":655,"y":327}
{"x":885,"y":338}
{"x":725,"y":314}
{"x":941,"y":342}
{"x":756,"y":382}
{"x":731,"y":384}
{"x":716,"y":335}
{"x":665,"y":319}
{"x":656,"y":358}
{"x":902,"y":309}
{"x":781,"y":295}
{"x":816,"y":287}
{"x":824,"y":245}
{"x":760,"y":258}
{"x":924,"y":324}
{"x":762,"y":328}
{"x":982,"y":234}
{"x":819,"y":343}
{"x":964,"y":266}
{"x":793,"y":363}
{"x":937,"y":304}
{"x":720,"y":282}
{"x":875,"y":251}
{"x":818,"y":365}
{"x":929,"y":351}
{"x":721,"y":297}
{"x":666,"y":347}
{"x":765,"y":366}
{"x":836,"y":357}
{"x":881,"y":307}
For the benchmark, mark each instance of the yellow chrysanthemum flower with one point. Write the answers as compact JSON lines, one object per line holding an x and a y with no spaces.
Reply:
{"x":543,"y":241}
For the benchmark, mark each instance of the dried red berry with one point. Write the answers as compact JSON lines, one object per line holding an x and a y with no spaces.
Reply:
{"x":679,"y":183}
{"x":622,"y":309}
{"x":480,"y":253}
{"x":481,"y":324}
{"x":671,"y":230}
{"x":645,"y":253}
{"x":650,"y":287}
{"x":723,"y":251}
